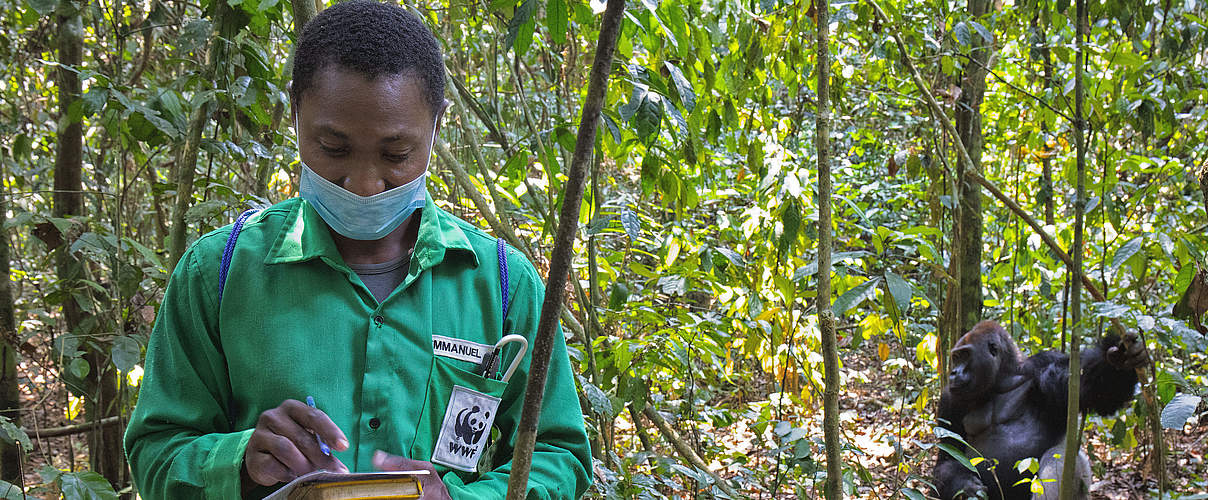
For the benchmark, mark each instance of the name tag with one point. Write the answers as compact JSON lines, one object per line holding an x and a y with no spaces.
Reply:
{"x":459,"y":349}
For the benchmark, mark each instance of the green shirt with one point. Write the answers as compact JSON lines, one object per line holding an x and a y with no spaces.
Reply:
{"x":295,"y":320}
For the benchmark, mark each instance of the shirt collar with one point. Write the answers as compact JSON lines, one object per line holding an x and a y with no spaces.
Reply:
{"x":304,"y":236}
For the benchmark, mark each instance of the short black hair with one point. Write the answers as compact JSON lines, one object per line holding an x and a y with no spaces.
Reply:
{"x":373,"y":39}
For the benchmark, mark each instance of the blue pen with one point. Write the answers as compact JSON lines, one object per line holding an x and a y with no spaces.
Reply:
{"x":322,"y":446}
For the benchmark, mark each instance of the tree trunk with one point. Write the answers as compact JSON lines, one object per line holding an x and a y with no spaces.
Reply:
{"x":968,"y":125}
{"x":304,"y":11}
{"x":10,"y":396}
{"x":1073,"y":430}
{"x":1046,"y":195}
{"x":826,"y":314}
{"x":186,"y":161}
{"x":1203,"y":178}
{"x":560,"y":258}
{"x":104,"y":445}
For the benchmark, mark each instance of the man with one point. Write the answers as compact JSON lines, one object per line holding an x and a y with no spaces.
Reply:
{"x":362,"y":295}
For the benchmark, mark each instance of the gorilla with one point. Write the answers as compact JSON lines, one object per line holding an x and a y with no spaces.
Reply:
{"x":1008,"y":409}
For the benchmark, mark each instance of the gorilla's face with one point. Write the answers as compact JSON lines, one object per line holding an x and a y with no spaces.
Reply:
{"x":979,"y":359}
{"x":973,"y":368}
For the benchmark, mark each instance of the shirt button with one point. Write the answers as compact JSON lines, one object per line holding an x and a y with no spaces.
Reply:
{"x":377,"y":320}
{"x":374,"y":423}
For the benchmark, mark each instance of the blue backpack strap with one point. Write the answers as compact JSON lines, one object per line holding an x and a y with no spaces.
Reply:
{"x":503,"y":274}
{"x":225,"y":265}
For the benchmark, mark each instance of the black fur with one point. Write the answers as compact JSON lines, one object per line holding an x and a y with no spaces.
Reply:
{"x":1011,"y":409}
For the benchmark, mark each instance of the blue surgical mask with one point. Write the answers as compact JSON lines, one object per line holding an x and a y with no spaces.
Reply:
{"x":364,"y":217}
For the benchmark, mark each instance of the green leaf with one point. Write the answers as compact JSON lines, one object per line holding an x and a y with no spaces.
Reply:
{"x":986,"y":36}
{"x":649,"y":118}
{"x":43,"y":7}
{"x":516,"y":165}
{"x":194,"y":34}
{"x":1126,"y":252}
{"x":961,"y":33}
{"x":49,"y":474}
{"x":126,"y":353}
{"x":611,"y":124}
{"x":629,"y":221}
{"x":1111,"y":309}
{"x":855,"y":296}
{"x":556,"y":20}
{"x":149,"y":255}
{"x":734,"y":257}
{"x":630,"y":108}
{"x":899,"y":289}
{"x":1183,"y":279}
{"x":790,"y":220}
{"x":683,"y":88}
{"x":598,"y":399}
{"x":1181,"y":408}
{"x":520,"y":28}
{"x":650,"y":172}
{"x":805,"y":271}
{"x":955,"y":453}
{"x":14,"y":434}
{"x":22,"y":146}
{"x":79,"y":368}
{"x":94,"y":100}
{"x":85,"y":485}
{"x":9,"y":491}
{"x":618,"y":295}
{"x":205,"y":210}
{"x":165,"y":126}
{"x":598,"y":224}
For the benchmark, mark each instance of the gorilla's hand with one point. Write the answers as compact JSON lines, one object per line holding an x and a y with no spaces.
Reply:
{"x":972,"y":489}
{"x":1129,"y":353}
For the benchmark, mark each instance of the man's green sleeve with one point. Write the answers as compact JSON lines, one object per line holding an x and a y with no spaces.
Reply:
{"x":562,"y":456}
{"x":179,"y":442}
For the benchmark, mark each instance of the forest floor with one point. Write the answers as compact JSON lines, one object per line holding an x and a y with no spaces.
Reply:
{"x":869,"y":418}
{"x":871,"y":422}
{"x":1118,"y":474}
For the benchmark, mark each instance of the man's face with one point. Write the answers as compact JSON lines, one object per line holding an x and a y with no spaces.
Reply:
{"x":366,"y":136}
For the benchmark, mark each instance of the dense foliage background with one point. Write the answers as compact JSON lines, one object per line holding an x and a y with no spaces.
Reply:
{"x":691,"y":314}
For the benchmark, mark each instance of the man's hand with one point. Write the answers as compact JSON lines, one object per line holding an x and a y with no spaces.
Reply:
{"x":283,"y":446}
{"x":434,"y":488}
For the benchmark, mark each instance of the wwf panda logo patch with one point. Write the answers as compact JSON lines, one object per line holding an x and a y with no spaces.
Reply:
{"x":464,"y":430}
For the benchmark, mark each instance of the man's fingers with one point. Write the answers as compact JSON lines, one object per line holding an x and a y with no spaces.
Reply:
{"x":315,"y":420}
{"x":286,"y":452}
{"x":386,"y":461}
{"x":302,"y":440}
{"x":433,"y":486}
{"x":266,"y":470}
{"x":338,"y":465}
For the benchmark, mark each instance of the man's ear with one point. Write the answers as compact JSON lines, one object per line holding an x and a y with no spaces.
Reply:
{"x":440,"y":113}
{"x":293,"y":103}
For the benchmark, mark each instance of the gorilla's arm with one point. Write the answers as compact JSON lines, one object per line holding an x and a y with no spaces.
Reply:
{"x":1109,"y":374}
{"x":1108,"y":380}
{"x":951,"y":477}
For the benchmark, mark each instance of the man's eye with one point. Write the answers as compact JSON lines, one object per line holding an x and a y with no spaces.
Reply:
{"x":332,"y":150}
{"x":396,"y":158}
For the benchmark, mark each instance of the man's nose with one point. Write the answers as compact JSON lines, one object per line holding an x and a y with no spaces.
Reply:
{"x":364,"y":183}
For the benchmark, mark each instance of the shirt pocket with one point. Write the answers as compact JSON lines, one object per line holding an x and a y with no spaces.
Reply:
{"x":469,"y":396}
